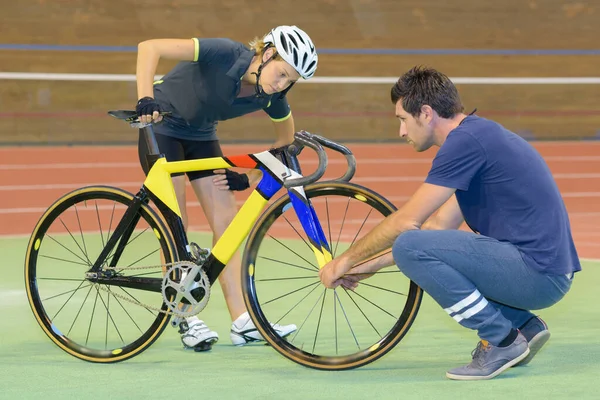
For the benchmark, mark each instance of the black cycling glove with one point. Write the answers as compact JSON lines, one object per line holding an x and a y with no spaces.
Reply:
{"x":236,"y":181}
{"x":146,"y":106}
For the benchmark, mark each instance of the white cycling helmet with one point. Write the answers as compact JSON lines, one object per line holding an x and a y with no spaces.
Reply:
{"x":295,"y":47}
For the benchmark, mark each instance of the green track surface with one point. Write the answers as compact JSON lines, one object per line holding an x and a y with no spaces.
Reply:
{"x":33,"y":367}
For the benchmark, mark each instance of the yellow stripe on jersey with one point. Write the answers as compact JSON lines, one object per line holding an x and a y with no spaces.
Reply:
{"x":196,"y":48}
{"x":282,"y":119}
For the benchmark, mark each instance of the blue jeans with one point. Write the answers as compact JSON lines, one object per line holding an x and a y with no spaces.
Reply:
{"x":482,"y":283}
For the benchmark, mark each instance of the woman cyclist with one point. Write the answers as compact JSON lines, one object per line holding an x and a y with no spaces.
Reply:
{"x":216,"y":80}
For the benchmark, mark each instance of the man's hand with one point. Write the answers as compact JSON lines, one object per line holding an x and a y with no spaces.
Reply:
{"x":332,"y":275}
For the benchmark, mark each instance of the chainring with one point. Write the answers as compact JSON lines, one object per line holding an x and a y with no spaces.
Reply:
{"x":185,"y":288}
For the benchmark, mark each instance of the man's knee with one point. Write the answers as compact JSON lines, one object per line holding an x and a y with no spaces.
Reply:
{"x":406,"y":249}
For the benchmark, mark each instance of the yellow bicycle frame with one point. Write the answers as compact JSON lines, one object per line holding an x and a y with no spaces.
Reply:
{"x":159,"y":183}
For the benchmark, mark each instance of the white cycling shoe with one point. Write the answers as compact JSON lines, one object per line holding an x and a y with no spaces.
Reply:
{"x":196,"y":335}
{"x":244,"y":331}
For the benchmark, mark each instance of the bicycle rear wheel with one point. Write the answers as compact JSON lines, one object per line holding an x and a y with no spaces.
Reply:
{"x":336,"y":329}
{"x":93,"y":321}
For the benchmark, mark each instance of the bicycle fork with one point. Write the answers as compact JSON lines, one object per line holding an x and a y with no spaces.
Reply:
{"x":311,"y":225}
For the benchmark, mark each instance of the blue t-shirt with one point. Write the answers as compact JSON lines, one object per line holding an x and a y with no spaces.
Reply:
{"x":506,"y":191}
{"x":202,"y":92}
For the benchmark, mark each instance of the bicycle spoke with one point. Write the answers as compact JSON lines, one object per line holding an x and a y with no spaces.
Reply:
{"x":286,"y":263}
{"x":80,"y":308}
{"x":383,"y":289}
{"x":63,"y":260}
{"x":112,"y":252}
{"x":139,"y":303}
{"x":361,"y":226}
{"x":309,"y":313}
{"x":123,"y":307}
{"x":348,"y":322}
{"x":373,"y":304}
{"x":99,"y":224}
{"x":64,"y":293}
{"x":109,"y":315}
{"x":61,"y":279}
{"x":69,"y":250}
{"x":77,"y":243}
{"x":341,"y":228}
{"x":285,"y":279}
{"x":140,"y":259}
{"x":92,"y":316}
{"x":81,"y":232}
{"x":362,"y":312}
{"x":335,"y":333}
{"x":112,"y":214}
{"x":299,"y":301}
{"x":292,"y":292}
{"x":136,"y":236}
{"x":67,"y":300}
{"x":297,"y":233}
{"x":308,"y":262}
{"x":106,"y":326}
{"x":328,"y":221}
{"x":319,"y":322}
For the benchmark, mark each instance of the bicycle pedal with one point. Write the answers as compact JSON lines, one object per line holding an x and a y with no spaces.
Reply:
{"x":199,"y":255}
{"x":183,"y":326}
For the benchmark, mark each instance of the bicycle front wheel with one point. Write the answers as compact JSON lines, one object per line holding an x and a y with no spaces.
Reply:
{"x":93,"y":321}
{"x":336,"y":329}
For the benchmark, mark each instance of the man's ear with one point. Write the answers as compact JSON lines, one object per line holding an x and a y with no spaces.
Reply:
{"x":427,"y":112}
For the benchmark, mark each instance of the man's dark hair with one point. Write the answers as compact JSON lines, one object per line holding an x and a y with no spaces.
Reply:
{"x":425,"y":86}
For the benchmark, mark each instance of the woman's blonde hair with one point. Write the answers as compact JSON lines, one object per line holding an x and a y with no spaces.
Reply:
{"x":258,"y":45}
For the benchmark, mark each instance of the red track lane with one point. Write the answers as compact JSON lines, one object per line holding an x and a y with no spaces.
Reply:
{"x":31,"y":178}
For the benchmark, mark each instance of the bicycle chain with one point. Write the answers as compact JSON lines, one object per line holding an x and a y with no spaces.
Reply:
{"x":149,"y":307}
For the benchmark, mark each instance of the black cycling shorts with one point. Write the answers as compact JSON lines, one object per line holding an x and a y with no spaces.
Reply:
{"x":176,"y":149}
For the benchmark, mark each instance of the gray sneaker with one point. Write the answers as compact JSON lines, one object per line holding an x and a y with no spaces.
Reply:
{"x":537,"y":334}
{"x":489,"y":361}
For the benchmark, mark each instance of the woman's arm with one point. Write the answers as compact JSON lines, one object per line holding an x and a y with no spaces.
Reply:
{"x":149,"y":53}
{"x":284,"y":131}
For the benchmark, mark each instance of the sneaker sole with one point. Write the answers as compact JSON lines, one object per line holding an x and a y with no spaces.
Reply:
{"x":202,"y":346}
{"x":536,"y":343}
{"x":244,"y":342}
{"x":493,"y":374}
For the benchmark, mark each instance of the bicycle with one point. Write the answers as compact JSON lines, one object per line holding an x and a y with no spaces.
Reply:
{"x":96,"y":295}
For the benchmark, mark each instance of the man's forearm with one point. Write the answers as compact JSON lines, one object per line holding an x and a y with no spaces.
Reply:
{"x":382,"y":237}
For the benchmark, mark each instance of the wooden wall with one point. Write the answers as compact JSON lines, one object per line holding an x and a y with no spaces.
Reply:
{"x":74,"y":112}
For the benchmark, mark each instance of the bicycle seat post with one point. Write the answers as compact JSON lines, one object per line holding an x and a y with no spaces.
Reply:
{"x":150,"y":139}
{"x":151,"y":144}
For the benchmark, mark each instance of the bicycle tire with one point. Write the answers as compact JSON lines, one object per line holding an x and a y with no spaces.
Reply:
{"x":295,"y":351}
{"x":58,"y":213}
